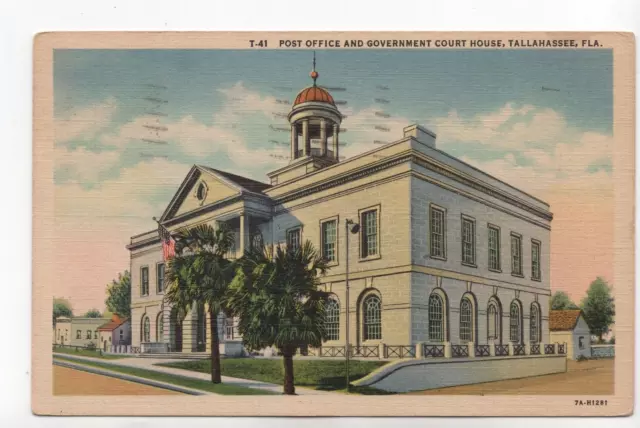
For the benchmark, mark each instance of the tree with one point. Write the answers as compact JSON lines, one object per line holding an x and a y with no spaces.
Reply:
{"x":560,"y":300}
{"x":598,"y":307}
{"x":119,"y":295}
{"x":93,"y":313}
{"x":200,"y":273}
{"x":276,"y":297}
{"x":61,"y":308}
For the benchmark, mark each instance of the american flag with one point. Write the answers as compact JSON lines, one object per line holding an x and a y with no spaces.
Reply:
{"x":168,"y":243}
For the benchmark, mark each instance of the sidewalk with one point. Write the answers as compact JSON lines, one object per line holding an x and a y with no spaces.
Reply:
{"x":148,"y":364}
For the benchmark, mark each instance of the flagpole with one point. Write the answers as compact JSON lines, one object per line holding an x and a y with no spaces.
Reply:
{"x":162,"y":303}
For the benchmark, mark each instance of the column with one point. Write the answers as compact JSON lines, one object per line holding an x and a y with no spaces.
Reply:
{"x":305,"y":137}
{"x":294,"y":141}
{"x":244,"y":233}
{"x":336,"y":131}
{"x":323,"y":137}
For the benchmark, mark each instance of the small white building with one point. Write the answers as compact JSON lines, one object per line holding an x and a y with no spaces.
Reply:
{"x":115,"y":332}
{"x":570,"y":327}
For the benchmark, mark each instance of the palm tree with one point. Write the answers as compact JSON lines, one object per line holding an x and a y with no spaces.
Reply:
{"x":276,"y":297}
{"x":200,"y":273}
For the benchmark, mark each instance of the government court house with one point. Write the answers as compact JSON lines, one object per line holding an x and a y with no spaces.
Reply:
{"x":444,"y":254}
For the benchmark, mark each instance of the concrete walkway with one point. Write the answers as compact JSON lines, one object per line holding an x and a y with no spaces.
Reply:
{"x":148,"y":364}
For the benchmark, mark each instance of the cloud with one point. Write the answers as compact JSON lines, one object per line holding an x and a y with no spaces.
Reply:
{"x":84,"y":122}
{"x":83,"y":165}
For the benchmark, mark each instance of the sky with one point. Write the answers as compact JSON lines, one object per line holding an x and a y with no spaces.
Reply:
{"x":129,"y":124}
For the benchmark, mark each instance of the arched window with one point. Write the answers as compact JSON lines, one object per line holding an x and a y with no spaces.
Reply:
{"x":160,"y":328}
{"x":372,"y":318}
{"x":436,"y":318}
{"x":146,"y":330}
{"x":466,"y":320}
{"x":332,"y":320}
{"x":492,"y":322}
{"x":534,"y":323}
{"x":515,"y":323}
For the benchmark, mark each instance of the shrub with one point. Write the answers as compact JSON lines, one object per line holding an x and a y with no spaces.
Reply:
{"x":581,"y":358}
{"x":612,"y":341}
{"x":91,"y":346}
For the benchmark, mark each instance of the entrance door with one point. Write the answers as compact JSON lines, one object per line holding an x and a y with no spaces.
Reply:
{"x":201,"y":330}
{"x":176,"y":328}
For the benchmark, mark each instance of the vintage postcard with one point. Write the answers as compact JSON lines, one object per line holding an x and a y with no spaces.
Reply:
{"x":333,"y":224}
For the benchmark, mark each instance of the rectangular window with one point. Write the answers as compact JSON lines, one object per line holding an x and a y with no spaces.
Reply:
{"x":293,"y":239}
{"x":121,"y":334}
{"x":329,"y":233}
{"x":516,"y":254}
{"x":437,"y":232}
{"x":160,"y":277}
{"x":88,"y":334}
{"x":369,"y":235}
{"x":535,"y":260}
{"x":95,"y":334}
{"x":144,"y":280}
{"x":468,"y":242}
{"x":494,"y":248}
{"x":79,"y":334}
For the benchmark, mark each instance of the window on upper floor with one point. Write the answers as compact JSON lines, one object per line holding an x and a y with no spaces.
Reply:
{"x":494,"y":248}
{"x":160,"y":277}
{"x":468,"y":241}
{"x":535,"y":260}
{"x":144,"y":281}
{"x":369,"y":233}
{"x":294,"y":237}
{"x":516,"y":254}
{"x":329,"y":236}
{"x":437,"y":229}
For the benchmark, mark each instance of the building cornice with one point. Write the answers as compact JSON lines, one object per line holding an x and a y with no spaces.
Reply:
{"x":423,"y":161}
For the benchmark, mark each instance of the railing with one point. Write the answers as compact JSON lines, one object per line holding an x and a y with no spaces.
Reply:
{"x":400,"y":351}
{"x":561,"y":349}
{"x":135,"y":349}
{"x":365,"y":351}
{"x":433,"y":350}
{"x":535,"y":349}
{"x":501,"y":350}
{"x":459,"y":351}
{"x":519,"y":350}
{"x":332,"y":351}
{"x":603,"y":351}
{"x":482,"y":350}
{"x":74,"y":347}
{"x":549,"y":349}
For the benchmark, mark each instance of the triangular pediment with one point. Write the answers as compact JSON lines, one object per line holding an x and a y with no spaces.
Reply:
{"x":200,"y":187}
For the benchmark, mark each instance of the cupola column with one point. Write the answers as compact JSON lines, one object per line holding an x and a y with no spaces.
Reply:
{"x":323,"y":137}
{"x":294,"y":141}
{"x":305,"y":137}
{"x":336,"y":143}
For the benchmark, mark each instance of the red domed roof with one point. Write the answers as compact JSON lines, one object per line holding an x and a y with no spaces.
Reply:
{"x":315,"y":94}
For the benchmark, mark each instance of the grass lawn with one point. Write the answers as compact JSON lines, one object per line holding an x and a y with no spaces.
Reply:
{"x":322,"y":374}
{"x":87,"y":353}
{"x":173,"y":379}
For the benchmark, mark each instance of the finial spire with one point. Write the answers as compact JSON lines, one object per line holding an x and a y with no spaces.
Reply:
{"x":314,"y":74}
